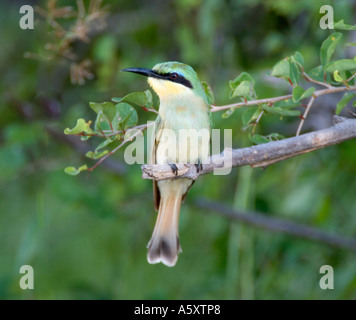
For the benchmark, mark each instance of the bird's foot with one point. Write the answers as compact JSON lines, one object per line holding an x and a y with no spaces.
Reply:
{"x":199,"y":166}
{"x":174,"y":168}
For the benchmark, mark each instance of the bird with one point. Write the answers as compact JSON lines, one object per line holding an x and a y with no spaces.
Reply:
{"x":183,"y":107}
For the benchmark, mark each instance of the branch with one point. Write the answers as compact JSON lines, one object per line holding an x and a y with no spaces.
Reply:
{"x":271,"y":101}
{"x":261,"y":155}
{"x":280,"y":225}
{"x":310,"y":103}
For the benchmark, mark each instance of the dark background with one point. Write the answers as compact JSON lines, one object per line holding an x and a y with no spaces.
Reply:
{"x":86,"y":236}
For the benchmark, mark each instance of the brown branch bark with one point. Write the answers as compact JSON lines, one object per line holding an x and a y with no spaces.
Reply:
{"x":261,"y":155}
{"x":280,"y":225}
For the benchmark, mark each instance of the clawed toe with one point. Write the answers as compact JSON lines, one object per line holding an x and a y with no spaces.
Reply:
{"x":174,"y":168}
{"x":199,"y":166}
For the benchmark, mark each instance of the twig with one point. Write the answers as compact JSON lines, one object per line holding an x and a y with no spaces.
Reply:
{"x":310,"y":103}
{"x":114,"y":166}
{"x":250,"y":103}
{"x":309,"y":79}
{"x":261,"y":155}
{"x":271,"y":101}
{"x":280,"y":225}
{"x":150,"y":109}
{"x":108,"y":133}
{"x":142,"y":128}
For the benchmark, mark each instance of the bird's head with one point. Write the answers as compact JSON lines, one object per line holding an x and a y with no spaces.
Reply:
{"x":172,"y":78}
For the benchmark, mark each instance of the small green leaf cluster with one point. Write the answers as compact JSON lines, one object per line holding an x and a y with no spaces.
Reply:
{"x":112,"y":121}
{"x":329,"y":74}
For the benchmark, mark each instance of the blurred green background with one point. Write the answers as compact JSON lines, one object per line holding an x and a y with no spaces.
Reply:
{"x":86,"y":236}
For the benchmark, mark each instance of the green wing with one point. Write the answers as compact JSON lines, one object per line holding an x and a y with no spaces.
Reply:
{"x":157,"y":133}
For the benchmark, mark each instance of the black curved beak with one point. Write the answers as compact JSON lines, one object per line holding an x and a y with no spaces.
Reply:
{"x":144,"y":72}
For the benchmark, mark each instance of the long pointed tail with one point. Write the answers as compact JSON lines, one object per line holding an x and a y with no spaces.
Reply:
{"x":164,"y":245}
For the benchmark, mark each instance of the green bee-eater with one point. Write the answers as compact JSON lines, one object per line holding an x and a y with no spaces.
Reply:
{"x":183,"y":106}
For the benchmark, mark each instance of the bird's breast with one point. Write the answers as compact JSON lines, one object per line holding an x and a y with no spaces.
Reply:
{"x":184,"y":113}
{"x":185,"y":133}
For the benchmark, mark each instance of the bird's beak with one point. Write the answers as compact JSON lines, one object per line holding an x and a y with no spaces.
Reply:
{"x":144,"y":72}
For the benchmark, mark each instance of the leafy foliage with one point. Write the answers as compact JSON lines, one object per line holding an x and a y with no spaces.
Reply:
{"x":111,"y":123}
{"x":291,"y":69}
{"x":328,"y":47}
{"x":85,"y":236}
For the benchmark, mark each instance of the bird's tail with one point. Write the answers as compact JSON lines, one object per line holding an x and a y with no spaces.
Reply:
{"x":164,"y":245}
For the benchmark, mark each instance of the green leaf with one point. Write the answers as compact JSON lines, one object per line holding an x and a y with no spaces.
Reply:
{"x":228,"y":113}
{"x":281,"y":69}
{"x":258,"y":139}
{"x":105,"y":115}
{"x":328,"y":47}
{"x":243,"y":76}
{"x":242,"y":86}
{"x":85,"y":138}
{"x":96,"y":155}
{"x":340,"y":65}
{"x":73,"y":171}
{"x":337,"y":76}
{"x":208,"y":91}
{"x":250,"y":115}
{"x":344,"y":101}
{"x":275,"y":136}
{"x":80,"y":127}
{"x":140,"y":98}
{"x":281,"y":111}
{"x":287,"y":103}
{"x":289,"y":68}
{"x":299,"y":93}
{"x":102,"y":122}
{"x":242,"y":90}
{"x":294,"y":74}
{"x":317,"y":73}
{"x":340,"y":25}
{"x":298,"y":57}
{"x":106,"y":108}
{"x":126,"y":116}
{"x":308,"y":93}
{"x":106,"y":143}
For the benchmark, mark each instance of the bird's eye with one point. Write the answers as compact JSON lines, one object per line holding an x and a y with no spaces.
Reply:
{"x":173,"y":76}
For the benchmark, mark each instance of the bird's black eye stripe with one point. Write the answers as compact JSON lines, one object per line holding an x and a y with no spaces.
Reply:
{"x":184,"y":82}
{"x":175,"y":77}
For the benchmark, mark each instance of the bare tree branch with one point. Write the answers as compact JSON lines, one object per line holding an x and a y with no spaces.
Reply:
{"x":310,"y":103}
{"x":261,"y":155}
{"x":280,"y":225}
